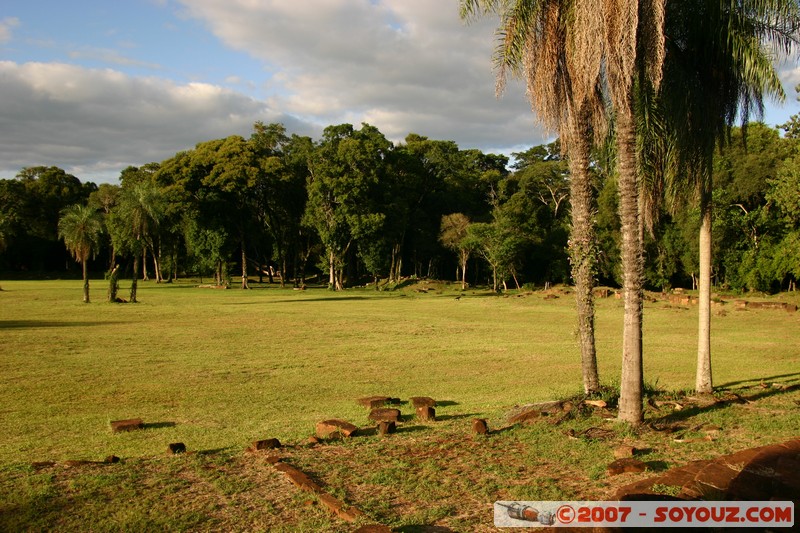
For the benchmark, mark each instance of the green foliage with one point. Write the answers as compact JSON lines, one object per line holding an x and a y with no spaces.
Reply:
{"x":347,"y":169}
{"x":134,"y":221}
{"x":81,"y":228}
{"x":380,"y":208}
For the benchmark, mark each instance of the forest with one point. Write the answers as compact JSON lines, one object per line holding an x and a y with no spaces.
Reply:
{"x":353,"y":208}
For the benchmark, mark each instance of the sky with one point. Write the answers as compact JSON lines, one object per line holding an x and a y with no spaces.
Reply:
{"x":94,"y":86}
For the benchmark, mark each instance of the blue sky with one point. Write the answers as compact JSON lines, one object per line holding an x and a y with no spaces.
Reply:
{"x":94,"y":86}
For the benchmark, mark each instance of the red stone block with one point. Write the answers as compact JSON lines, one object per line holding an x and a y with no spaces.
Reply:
{"x":422,"y":401}
{"x":479,"y":426}
{"x":426,"y":413}
{"x":335,"y":428}
{"x":131,"y":424}
{"x":385,"y":414}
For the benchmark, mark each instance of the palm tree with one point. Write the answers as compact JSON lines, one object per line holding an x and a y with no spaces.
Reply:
{"x":718,"y":67}
{"x":133,"y":222}
{"x":566,"y":50}
{"x":81,"y":227}
{"x":533,"y":44}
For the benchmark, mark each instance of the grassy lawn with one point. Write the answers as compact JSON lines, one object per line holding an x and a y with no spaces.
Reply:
{"x":218,"y":369}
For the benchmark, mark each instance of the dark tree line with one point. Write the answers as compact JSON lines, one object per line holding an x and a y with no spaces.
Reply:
{"x":353,"y":208}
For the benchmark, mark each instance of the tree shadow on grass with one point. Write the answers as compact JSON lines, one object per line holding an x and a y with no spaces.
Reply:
{"x":754,"y":381}
{"x":732,"y":398}
{"x":212,"y":452}
{"x":442,"y":418}
{"x":411,"y":429}
{"x":158,"y":425}
{"x":23,"y":324}
{"x":657,"y":466}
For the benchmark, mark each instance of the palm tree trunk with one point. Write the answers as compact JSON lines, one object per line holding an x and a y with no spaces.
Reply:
{"x":84,"y":262}
{"x":703,"y":381}
{"x":582,"y":251}
{"x":632,"y":380}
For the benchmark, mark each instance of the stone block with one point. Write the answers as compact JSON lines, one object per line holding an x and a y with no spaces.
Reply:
{"x":625,"y":466}
{"x":266,"y":444}
{"x":372,"y":402}
{"x":422,"y":401}
{"x":386,"y":427}
{"x":335,"y":428}
{"x":175,"y":448}
{"x":621,"y":452}
{"x":426,"y":413}
{"x":385,"y":414}
{"x":479,"y":426}
{"x":131,"y":424}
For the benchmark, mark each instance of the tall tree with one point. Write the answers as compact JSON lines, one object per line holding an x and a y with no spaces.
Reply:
{"x":232,"y":173}
{"x":81,"y":228}
{"x":719,"y":66}
{"x":543,"y":42}
{"x":346,"y":169}
{"x":103,"y":200}
{"x":39,"y":195}
{"x":280,"y":189}
{"x":454,"y":236}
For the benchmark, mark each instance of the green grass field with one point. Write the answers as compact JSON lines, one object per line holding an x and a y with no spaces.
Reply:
{"x":218,"y":369}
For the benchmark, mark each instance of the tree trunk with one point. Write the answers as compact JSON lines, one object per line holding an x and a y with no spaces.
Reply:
{"x":112,"y":256}
{"x":464,"y":259}
{"x":145,"y":277}
{"x":174,"y":264}
{"x":157,"y":265}
{"x":393,"y":264}
{"x":85,"y":264}
{"x":112,"y":284}
{"x":244,"y":265}
{"x":632,"y":381}
{"x":582,"y":248}
{"x":135,"y":278}
{"x":703,"y":381}
{"x":331,"y":272}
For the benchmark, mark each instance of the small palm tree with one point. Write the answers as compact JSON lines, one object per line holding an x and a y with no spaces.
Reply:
{"x":134,"y":221}
{"x":81,"y":227}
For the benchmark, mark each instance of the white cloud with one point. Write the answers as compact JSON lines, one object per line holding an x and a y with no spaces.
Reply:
{"x":100,"y":121}
{"x":402,"y":65}
{"x":112,"y":57}
{"x":6,"y":26}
